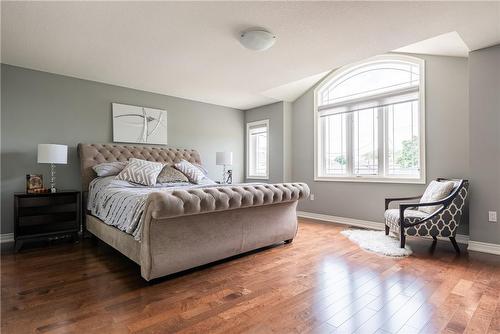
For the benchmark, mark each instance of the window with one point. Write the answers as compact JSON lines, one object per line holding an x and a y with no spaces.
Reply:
{"x":258,"y":150}
{"x":369,"y":122}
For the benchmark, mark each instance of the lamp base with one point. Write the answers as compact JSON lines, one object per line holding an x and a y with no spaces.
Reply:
{"x":223,"y":181}
{"x":53,"y":178}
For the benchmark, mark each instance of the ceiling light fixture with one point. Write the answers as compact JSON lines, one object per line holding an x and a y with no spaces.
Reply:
{"x":257,"y":40}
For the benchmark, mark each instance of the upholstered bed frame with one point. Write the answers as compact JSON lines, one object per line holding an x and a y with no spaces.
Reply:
{"x":194,"y":227}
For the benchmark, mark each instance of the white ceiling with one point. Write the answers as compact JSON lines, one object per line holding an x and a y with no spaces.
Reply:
{"x":450,"y":44}
{"x":191,"y":49}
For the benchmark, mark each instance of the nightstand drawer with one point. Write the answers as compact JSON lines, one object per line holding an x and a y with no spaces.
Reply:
{"x":52,"y":218}
{"x":32,"y":202}
{"x":47,"y":209}
{"x":27,"y":231}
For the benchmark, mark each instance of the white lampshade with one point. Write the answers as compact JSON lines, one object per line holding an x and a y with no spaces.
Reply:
{"x":224,"y":158}
{"x":52,"y":154}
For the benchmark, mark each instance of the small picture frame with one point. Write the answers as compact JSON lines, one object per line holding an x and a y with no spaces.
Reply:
{"x":34,"y":183}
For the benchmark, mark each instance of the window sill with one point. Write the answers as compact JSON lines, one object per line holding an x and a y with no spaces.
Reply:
{"x":369,"y":180}
{"x":257,"y":177}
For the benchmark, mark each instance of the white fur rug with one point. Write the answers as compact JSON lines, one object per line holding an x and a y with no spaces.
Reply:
{"x":377,"y":242}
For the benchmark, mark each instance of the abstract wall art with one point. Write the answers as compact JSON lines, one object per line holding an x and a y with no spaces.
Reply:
{"x":133,"y":124}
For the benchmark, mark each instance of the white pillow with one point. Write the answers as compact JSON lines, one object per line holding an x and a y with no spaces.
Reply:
{"x":109,"y":168}
{"x":193,"y":173}
{"x":141,"y":171}
{"x":435,"y":191}
{"x":201,"y":167}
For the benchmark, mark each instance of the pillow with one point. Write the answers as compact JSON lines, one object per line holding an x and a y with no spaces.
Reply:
{"x":193,"y":173}
{"x":169,"y":175}
{"x":141,"y":171}
{"x":109,"y":168}
{"x":435,"y":191}
{"x":201,"y":167}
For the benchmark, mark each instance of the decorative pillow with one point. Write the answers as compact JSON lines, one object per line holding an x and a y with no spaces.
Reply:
{"x":141,"y":171}
{"x":109,"y":168}
{"x":193,"y":173}
{"x":169,"y":174}
{"x":201,"y":167}
{"x":435,"y":191}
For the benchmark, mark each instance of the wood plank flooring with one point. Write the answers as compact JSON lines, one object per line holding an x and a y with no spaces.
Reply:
{"x":321,"y":283}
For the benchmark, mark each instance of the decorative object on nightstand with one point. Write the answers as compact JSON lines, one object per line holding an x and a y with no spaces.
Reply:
{"x":224,"y":159}
{"x":229,"y":179}
{"x":46,"y":215}
{"x":34,"y":184}
{"x":52,"y":154}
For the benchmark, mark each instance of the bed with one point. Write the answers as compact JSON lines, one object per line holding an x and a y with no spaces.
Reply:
{"x":184,"y":227}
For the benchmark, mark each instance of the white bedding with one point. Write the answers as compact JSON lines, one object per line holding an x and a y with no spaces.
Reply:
{"x":121,"y":203}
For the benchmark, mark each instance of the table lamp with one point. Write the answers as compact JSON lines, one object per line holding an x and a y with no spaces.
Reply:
{"x":52,"y":154}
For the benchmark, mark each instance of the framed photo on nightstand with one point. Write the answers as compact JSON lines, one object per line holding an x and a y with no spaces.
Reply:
{"x":34,"y":183}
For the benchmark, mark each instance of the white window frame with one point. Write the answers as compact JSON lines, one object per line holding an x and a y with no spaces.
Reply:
{"x":382,"y":159}
{"x":265,"y":123}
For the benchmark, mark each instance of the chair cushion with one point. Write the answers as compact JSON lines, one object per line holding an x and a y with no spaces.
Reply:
{"x":411,"y":216}
{"x":435,"y":191}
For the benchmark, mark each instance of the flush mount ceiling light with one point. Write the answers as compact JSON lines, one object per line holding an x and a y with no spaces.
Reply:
{"x":258,"y":39}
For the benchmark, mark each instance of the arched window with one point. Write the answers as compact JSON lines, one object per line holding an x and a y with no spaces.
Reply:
{"x":369,"y":122}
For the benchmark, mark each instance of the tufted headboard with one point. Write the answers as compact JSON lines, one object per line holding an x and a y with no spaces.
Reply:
{"x":93,"y":154}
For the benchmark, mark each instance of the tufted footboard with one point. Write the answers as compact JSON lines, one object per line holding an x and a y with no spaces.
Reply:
{"x":187,"y":228}
{"x":204,"y":200}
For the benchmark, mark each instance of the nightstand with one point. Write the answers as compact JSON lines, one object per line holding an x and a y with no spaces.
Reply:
{"x":44,"y":216}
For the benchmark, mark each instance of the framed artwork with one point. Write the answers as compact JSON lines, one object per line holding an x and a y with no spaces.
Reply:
{"x":34,"y":183}
{"x":133,"y":124}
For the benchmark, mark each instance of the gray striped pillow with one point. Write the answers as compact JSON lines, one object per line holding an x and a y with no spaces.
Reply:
{"x":193,"y":173}
{"x":141,"y":171}
{"x":109,"y":168}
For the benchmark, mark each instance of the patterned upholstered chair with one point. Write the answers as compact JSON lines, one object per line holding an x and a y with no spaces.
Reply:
{"x":440,"y":223}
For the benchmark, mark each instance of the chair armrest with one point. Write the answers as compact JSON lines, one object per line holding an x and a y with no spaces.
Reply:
{"x":444,"y":202}
{"x":394,"y":199}
{"x":405,"y":206}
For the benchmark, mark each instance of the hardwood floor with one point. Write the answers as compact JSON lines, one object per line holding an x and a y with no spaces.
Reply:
{"x":320,"y":283}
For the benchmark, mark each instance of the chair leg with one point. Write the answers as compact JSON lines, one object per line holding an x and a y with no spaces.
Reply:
{"x":455,"y":245}
{"x":402,"y":238}
{"x":386,"y":230}
{"x":435,"y":239}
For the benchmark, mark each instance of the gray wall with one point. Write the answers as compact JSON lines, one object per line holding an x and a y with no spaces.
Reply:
{"x":447,"y":137}
{"x":39,"y":107}
{"x":484,"y":98}
{"x":287,"y":141}
{"x":274,"y":113}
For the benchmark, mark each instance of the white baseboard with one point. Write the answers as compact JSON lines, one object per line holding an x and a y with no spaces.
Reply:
{"x":461,"y":238}
{"x":342,"y":220}
{"x":6,"y":237}
{"x":484,"y":247}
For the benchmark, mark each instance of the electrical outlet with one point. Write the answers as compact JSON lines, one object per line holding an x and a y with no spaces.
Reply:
{"x":492,"y":216}
{"x":311,"y":197}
